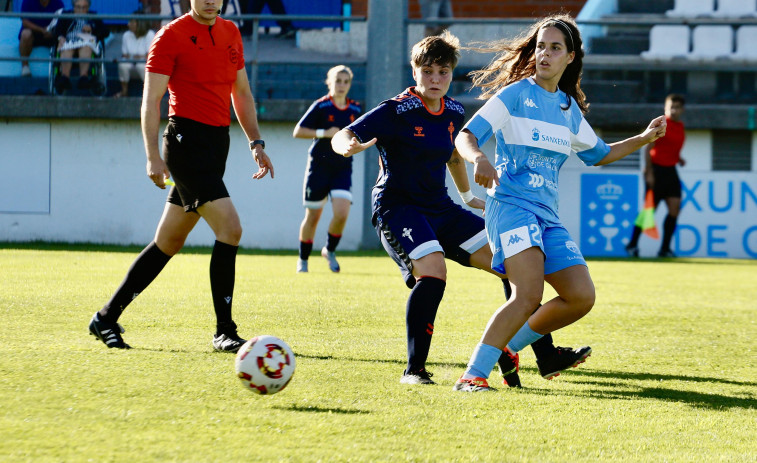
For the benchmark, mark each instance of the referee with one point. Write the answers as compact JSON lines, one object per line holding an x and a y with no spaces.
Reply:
{"x":199,"y":59}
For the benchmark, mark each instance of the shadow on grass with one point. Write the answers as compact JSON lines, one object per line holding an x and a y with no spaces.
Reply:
{"x":691,"y":398}
{"x":624,"y":375}
{"x":316,"y":409}
{"x":136,"y":249}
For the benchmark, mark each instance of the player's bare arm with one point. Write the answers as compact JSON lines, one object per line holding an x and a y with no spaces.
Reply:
{"x":244,"y":108}
{"x":621,"y":149}
{"x":346,"y":143}
{"x":459,"y":174}
{"x":484,"y":173}
{"x":154,"y":89}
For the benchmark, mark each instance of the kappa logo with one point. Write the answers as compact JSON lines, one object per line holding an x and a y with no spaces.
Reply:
{"x":193,"y":38}
{"x":536,"y":180}
{"x":530,"y":103}
{"x":451,"y":130}
{"x":514,"y":239}
{"x":406,"y":234}
{"x":331,"y":118}
{"x":419,"y":132}
{"x":535,"y":135}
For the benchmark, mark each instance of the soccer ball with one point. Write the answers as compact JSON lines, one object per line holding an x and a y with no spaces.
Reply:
{"x":265,"y":365}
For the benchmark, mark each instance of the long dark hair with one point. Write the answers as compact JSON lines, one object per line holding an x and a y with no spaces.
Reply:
{"x":515,"y":60}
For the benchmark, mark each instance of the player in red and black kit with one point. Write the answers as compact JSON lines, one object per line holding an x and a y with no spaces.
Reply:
{"x":199,"y":59}
{"x":327,"y":173}
{"x":661,"y":176}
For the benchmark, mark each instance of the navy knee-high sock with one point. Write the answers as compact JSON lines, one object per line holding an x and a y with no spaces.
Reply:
{"x":306,"y":247}
{"x":332,"y":242}
{"x":422,"y":305}
{"x":668,"y":228}
{"x":142,"y":272}
{"x":635,"y":237}
{"x":222,"y":272}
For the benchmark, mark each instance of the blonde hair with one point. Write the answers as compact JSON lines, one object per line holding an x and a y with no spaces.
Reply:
{"x":333,"y":72}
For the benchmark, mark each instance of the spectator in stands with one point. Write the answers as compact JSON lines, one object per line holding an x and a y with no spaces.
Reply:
{"x":276,"y":7}
{"x":81,"y":37}
{"x":34,"y":32}
{"x":661,"y":176}
{"x":327,"y":173}
{"x":134,"y":45}
{"x":435,"y":9}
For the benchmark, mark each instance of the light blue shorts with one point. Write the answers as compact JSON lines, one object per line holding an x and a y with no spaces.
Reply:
{"x":512,"y":229}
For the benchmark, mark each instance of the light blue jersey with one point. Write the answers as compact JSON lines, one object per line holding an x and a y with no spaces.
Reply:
{"x":535,"y":131}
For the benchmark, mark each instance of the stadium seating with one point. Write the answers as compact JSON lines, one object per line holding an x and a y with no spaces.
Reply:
{"x":746,"y":38}
{"x":712,"y":42}
{"x":736,"y":8}
{"x":667,"y":42}
{"x":692,"y":8}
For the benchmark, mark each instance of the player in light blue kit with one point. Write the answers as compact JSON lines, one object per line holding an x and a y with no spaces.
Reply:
{"x":535,"y":111}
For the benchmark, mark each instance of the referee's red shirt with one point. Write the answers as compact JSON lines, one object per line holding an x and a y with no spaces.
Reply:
{"x":667,"y":150}
{"x":202,"y":62}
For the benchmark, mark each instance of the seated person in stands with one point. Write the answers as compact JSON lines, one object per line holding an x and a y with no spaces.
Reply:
{"x":80,"y":37}
{"x":34,"y":32}
{"x":134,"y":45}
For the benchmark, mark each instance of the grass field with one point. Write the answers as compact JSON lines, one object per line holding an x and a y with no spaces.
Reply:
{"x":673,"y":376}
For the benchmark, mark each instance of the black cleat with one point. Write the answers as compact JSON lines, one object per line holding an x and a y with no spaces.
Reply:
{"x":417,"y":377}
{"x":562,"y":359}
{"x":666,"y":253}
{"x":509,"y":365}
{"x":109,"y":333}
{"x":632,"y":251}
{"x":226,"y":338}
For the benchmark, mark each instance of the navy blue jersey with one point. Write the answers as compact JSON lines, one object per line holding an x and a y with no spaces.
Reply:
{"x":414,"y":146}
{"x":324,"y":114}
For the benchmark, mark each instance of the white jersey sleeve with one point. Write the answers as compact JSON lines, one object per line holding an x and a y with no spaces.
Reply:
{"x":588,"y":147}
{"x":492,"y":116}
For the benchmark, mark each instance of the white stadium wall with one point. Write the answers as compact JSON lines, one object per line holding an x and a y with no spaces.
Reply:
{"x":84,"y":181}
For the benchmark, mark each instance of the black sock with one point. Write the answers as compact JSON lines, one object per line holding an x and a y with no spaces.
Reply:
{"x":544,"y":346}
{"x":422,"y":305}
{"x":306,"y":247}
{"x":668,"y":228}
{"x":222,"y":272}
{"x":142,"y":272}
{"x":634,"y":237}
{"x":508,"y":288}
{"x":332,"y":242}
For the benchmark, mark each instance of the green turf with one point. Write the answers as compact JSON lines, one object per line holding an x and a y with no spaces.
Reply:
{"x":673,"y":376}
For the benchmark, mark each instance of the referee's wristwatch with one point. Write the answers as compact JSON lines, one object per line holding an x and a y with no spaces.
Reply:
{"x":257,"y":142}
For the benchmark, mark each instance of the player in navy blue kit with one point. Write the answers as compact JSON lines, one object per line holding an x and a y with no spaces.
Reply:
{"x":418,"y":223}
{"x":327,"y":173}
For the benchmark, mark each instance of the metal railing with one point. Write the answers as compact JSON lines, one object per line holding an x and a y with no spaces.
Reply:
{"x":252,"y":52}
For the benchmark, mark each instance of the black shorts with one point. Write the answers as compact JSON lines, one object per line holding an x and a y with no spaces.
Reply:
{"x":196,"y":157}
{"x":324,"y":176}
{"x":667,"y":184}
{"x":41,"y":41}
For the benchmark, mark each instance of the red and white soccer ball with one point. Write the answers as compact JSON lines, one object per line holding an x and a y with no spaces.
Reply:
{"x":265,"y":365}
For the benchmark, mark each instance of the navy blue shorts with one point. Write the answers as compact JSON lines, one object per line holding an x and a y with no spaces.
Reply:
{"x":408,"y":234}
{"x":324,"y":176}
{"x":195,"y":154}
